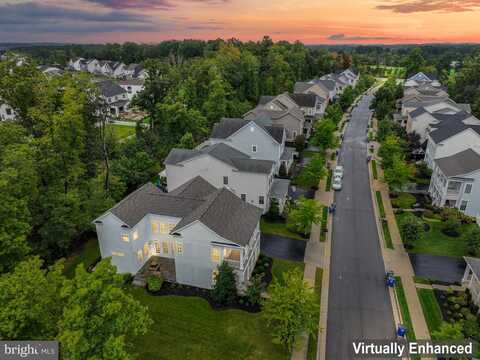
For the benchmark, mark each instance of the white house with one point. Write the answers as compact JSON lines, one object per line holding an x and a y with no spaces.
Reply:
{"x":318,"y":88}
{"x":258,"y":139}
{"x":132,"y":87}
{"x":455,"y":182}
{"x":6,"y":111}
{"x":433,"y":104}
{"x":451,"y":138}
{"x":183,"y":235}
{"x":426,"y":90}
{"x":223,"y":166}
{"x":78,"y":64}
{"x":135,"y":71}
{"x":119,"y":70}
{"x":422,"y":78}
{"x":471,"y":278}
{"x":311,"y":105}
{"x":350,"y":76}
{"x":421,"y":122}
{"x":115,"y":97}
{"x":93,"y":66}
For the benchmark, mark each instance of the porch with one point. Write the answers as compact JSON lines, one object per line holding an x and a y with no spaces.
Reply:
{"x":156,"y":266}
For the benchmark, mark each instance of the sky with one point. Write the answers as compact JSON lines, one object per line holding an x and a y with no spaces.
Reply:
{"x":310,"y":21}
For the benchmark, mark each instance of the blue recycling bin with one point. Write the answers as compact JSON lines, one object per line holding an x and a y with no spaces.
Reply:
{"x":391,"y":281}
{"x":401,"y":331}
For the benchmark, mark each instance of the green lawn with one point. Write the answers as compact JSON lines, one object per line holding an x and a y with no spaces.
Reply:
{"x":324,"y":224}
{"x":374,"y":169}
{"x":328,"y":183}
{"x":121,"y":131}
{"x":87,"y":255}
{"x":277,"y":228}
{"x":381,"y":209}
{"x":313,"y":340}
{"x":187,"y":328}
{"x":435,"y":242}
{"x":386,"y":234}
{"x":431,"y":309}
{"x":402,"y":302}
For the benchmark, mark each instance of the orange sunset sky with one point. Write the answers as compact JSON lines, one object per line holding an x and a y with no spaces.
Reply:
{"x":312,"y":22}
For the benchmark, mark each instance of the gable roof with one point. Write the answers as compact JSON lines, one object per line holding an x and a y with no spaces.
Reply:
{"x":219,"y":209}
{"x":262,"y":114}
{"x":417,"y":112}
{"x":224,"y":153}
{"x":108,"y":88}
{"x":304,"y":100}
{"x":265,"y":99}
{"x":228,"y":126}
{"x":301,"y":86}
{"x":328,"y":83}
{"x":447,"y":129}
{"x":461,"y":163}
{"x":474,"y":264}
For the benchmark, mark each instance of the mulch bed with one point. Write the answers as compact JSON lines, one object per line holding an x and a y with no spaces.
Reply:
{"x":240,"y":303}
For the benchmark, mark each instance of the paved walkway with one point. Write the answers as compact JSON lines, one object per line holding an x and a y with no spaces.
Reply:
{"x":440,"y":287}
{"x":399,"y":261}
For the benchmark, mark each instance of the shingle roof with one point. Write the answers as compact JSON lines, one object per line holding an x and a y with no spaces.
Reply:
{"x":458,"y":117}
{"x":262,"y":114}
{"x":265,"y":99}
{"x":224,"y":153}
{"x":329,"y":84}
{"x":461,"y":163}
{"x":417,"y":112}
{"x":300,"y":87}
{"x":219,"y":209}
{"x":227,"y":215}
{"x":447,"y":129}
{"x":229,"y":126}
{"x":108,"y":88}
{"x":304,"y":100}
{"x":474,"y":264}
{"x":280,"y":188}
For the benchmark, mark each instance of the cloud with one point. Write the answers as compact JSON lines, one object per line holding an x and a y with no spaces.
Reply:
{"x":149,"y":4}
{"x":446,"y":6}
{"x":343,"y":37}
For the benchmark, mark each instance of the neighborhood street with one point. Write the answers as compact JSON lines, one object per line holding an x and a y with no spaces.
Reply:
{"x":359,"y":304}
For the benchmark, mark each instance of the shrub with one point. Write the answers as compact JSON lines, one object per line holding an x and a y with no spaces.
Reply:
{"x":225,"y":288}
{"x":429,"y":214}
{"x":404,"y":201}
{"x":449,"y":213}
{"x":154,"y":283}
{"x":473,"y":241}
{"x":300,"y":143}
{"x":411,"y":229}
{"x":451,"y":227}
{"x":254,"y":290}
{"x":273,"y":213}
{"x":282,"y":172}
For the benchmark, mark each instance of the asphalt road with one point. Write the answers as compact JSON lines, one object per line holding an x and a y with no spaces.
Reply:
{"x":359,"y":305}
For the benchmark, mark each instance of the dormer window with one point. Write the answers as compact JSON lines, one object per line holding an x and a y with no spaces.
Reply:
{"x":125,"y":238}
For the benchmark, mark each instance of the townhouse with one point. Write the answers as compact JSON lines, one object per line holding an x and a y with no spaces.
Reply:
{"x":132,"y":87}
{"x":422,"y":78}
{"x":6,"y":111}
{"x":292,"y":120}
{"x":182,"y":235}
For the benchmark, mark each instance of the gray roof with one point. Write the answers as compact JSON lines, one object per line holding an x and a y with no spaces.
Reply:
{"x":329,"y":84}
{"x":265,"y":99}
{"x":304,"y":100}
{"x":137,"y":82}
{"x":229,"y":126}
{"x":108,"y":88}
{"x":219,"y":209}
{"x":417,"y":112}
{"x":447,"y":129}
{"x":474,"y":264}
{"x":224,"y":153}
{"x":465,"y":107}
{"x":458,"y":117}
{"x":279,"y":188}
{"x":461,"y":163}
{"x":260,"y":113}
{"x":301,"y":87}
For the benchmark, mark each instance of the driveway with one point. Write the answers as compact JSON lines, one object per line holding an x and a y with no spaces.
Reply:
{"x":282,"y":248}
{"x":444,"y":269}
{"x":359,"y":303}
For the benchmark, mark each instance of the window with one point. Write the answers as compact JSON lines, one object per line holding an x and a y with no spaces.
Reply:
{"x":8,"y":111}
{"x":158,"y":249}
{"x":165,"y":247}
{"x":225,"y":180}
{"x":139,"y":256}
{"x":468,"y":188}
{"x":294,"y":134}
{"x":214,"y":275}
{"x":231,"y":254}
{"x":117,"y":253}
{"x":146,"y":250}
{"x":243,"y":197}
{"x":215,"y":255}
{"x":179,"y":247}
{"x":164,"y":228}
{"x":454,"y":185}
{"x":463,"y":205}
{"x":155,"y":227}
{"x":261,"y":200}
{"x":125,"y":237}
{"x":135,"y":235}
{"x":254,"y":148}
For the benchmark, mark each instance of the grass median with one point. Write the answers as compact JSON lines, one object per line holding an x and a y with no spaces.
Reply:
{"x":402,"y":302}
{"x":431,"y":309}
{"x":313,"y":340}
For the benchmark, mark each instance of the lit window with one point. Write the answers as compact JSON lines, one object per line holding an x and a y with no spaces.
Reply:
{"x":164,"y":228}
{"x":179,"y":248}
{"x":146,"y":250}
{"x":225,"y":180}
{"x":165,"y":247}
{"x":139,"y":256}
{"x":254,"y":148}
{"x":261,"y":200}
{"x":155,"y":227}
{"x":158,"y":249}
{"x":171,"y":227}
{"x":125,"y":238}
{"x":117,"y":253}
{"x":135,"y":235}
{"x":214,"y":275}
{"x":231,"y":254}
{"x":215,"y":255}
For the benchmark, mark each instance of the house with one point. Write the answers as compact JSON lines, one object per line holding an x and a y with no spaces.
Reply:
{"x":50,"y":70}
{"x":341,"y":82}
{"x":311,"y":105}
{"x":455,"y":182}
{"x":258,"y":139}
{"x":350,"y":77}
{"x":93,"y":66}
{"x":119,"y":69}
{"x":317,"y":88}
{"x":432,"y":104}
{"x":6,"y":111}
{"x":105,"y":67}
{"x":114,"y":96}
{"x":449,"y":138}
{"x":78,"y":64}
{"x":426,"y":90}
{"x":421,"y":122}
{"x":132,"y":87}
{"x":184,"y":235}
{"x":223,"y":166}
{"x":330,"y":84}
{"x":471,"y":278}
{"x":422,"y":78}
{"x":135,"y":71}
{"x":292,"y":120}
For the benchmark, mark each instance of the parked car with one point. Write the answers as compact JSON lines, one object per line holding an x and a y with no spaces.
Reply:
{"x":338,"y":171}
{"x":337,"y":183}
